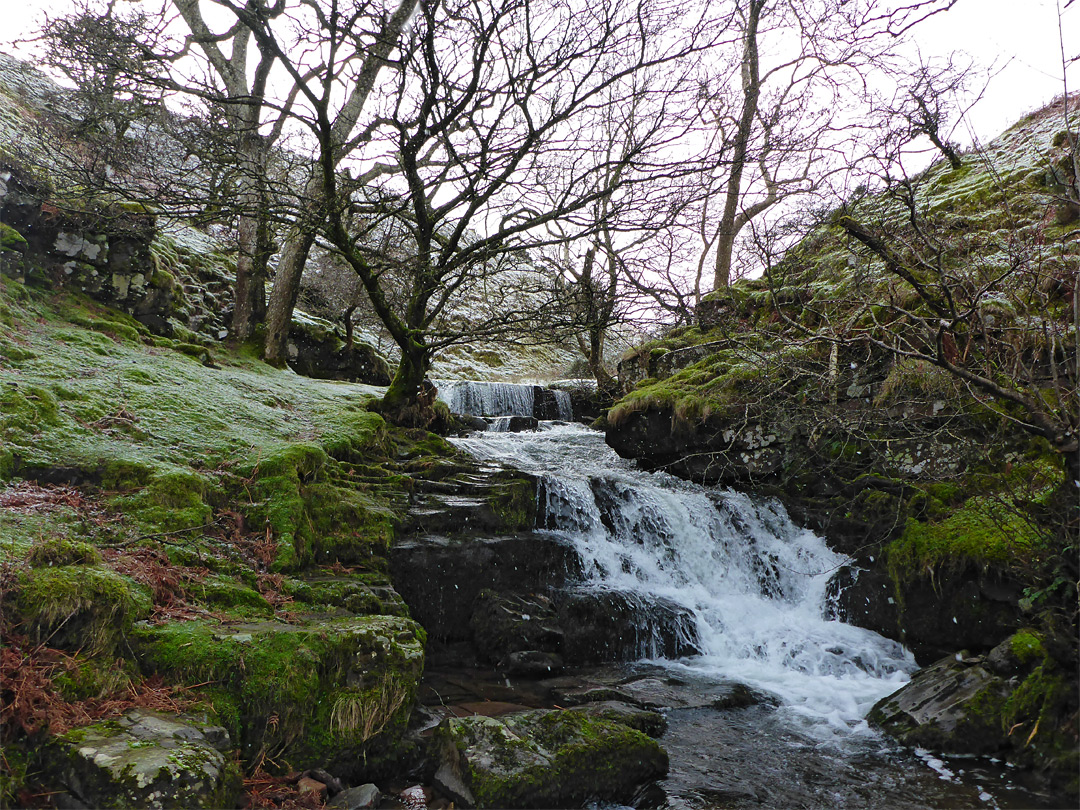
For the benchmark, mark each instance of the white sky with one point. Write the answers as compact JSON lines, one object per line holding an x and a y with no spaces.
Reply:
{"x":1020,"y":36}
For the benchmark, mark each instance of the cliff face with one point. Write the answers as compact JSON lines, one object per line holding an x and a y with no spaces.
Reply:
{"x":961,"y":524}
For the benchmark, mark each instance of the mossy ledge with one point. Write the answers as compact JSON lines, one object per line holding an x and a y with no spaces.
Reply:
{"x":220,"y":529}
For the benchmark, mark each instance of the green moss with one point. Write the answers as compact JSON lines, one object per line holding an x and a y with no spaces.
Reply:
{"x":221,"y":593}
{"x":63,"y":551}
{"x":277,"y":686}
{"x":552,"y":759}
{"x":78,"y":607}
{"x":514,"y":501}
{"x":1026,"y":646}
{"x":26,"y":411}
{"x":984,"y":530}
{"x":173,"y":500}
{"x":87,"y":678}
{"x":11,"y":239}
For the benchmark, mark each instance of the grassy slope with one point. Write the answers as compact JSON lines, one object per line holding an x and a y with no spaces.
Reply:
{"x":198,"y":492}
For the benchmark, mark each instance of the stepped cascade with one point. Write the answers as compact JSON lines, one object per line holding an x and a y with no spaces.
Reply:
{"x":754,"y":582}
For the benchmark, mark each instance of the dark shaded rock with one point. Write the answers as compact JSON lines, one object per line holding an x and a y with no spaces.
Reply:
{"x":971,"y":608}
{"x":504,"y":625}
{"x":542,"y":759}
{"x":532,"y":664}
{"x":440,"y":578}
{"x":518,"y":424}
{"x":146,"y":759}
{"x":465,"y":422}
{"x":363,"y":797}
{"x":315,"y":350}
{"x":953,"y":706}
{"x":710,"y":452}
{"x":623,"y":626}
{"x":545,"y":404}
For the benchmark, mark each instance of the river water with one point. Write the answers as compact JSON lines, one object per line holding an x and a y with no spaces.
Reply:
{"x":756,"y":586}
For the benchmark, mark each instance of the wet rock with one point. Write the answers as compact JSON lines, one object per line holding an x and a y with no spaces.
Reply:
{"x":542,"y":759}
{"x":644,"y":720}
{"x":518,"y":424}
{"x":441,"y":577}
{"x":532,"y":664}
{"x":953,"y":706}
{"x":466,"y":422}
{"x":623,"y":626}
{"x":363,"y":797}
{"x":146,"y":759}
{"x":964,"y":607}
{"x":505,"y":625}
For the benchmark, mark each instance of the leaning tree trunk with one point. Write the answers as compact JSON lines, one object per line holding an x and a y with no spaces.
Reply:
{"x":285,"y":294}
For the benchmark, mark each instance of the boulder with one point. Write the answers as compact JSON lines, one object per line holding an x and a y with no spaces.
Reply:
{"x":322,"y":692}
{"x":146,"y":759}
{"x":364,"y":797}
{"x":1019,"y":701}
{"x":603,"y":626}
{"x":315,"y":350}
{"x":934,"y":613}
{"x":542,"y":758}
{"x":440,"y":577}
{"x":953,"y":706}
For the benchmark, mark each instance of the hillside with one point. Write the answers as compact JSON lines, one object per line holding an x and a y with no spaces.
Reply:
{"x":828,"y":383}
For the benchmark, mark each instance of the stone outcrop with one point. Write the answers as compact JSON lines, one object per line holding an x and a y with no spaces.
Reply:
{"x":543,"y":759}
{"x":145,"y":759}
{"x":328,"y":692}
{"x":104,"y":252}
{"x":314,"y":349}
{"x":1010,"y":702}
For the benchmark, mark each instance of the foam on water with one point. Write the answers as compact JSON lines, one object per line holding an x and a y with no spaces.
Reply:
{"x":754,"y":581}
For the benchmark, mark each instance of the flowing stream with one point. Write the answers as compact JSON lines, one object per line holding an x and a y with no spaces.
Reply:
{"x":754,"y":581}
{"x":755,"y":584}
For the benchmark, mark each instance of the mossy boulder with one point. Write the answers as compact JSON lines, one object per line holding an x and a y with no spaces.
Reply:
{"x":328,"y":692}
{"x":543,"y":758}
{"x":145,"y":760}
{"x":77,"y":606}
{"x":1017,"y":701}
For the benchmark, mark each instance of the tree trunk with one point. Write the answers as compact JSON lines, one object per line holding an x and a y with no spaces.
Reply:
{"x":283,"y":296}
{"x":249,"y":308}
{"x":751,"y":89}
{"x":410,"y":399}
{"x":253,"y":237}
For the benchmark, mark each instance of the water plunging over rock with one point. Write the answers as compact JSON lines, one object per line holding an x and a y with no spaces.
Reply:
{"x":488,"y":399}
{"x":751,"y":582}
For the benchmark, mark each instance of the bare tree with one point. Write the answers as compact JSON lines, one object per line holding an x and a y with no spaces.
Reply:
{"x":792,"y":117}
{"x":478,"y":142}
{"x":981,"y":292}
{"x":365,"y":33}
{"x":118,"y":53}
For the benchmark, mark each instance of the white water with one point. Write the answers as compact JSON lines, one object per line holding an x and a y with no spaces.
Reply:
{"x":754,"y":581}
{"x":496,"y":399}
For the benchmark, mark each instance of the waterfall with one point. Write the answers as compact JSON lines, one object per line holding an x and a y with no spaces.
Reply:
{"x":487,"y":399}
{"x":754,"y":581}
{"x":490,"y":399}
{"x":566,"y":409}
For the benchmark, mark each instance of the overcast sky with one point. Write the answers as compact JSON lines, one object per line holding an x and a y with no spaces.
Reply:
{"x":1020,"y":36}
